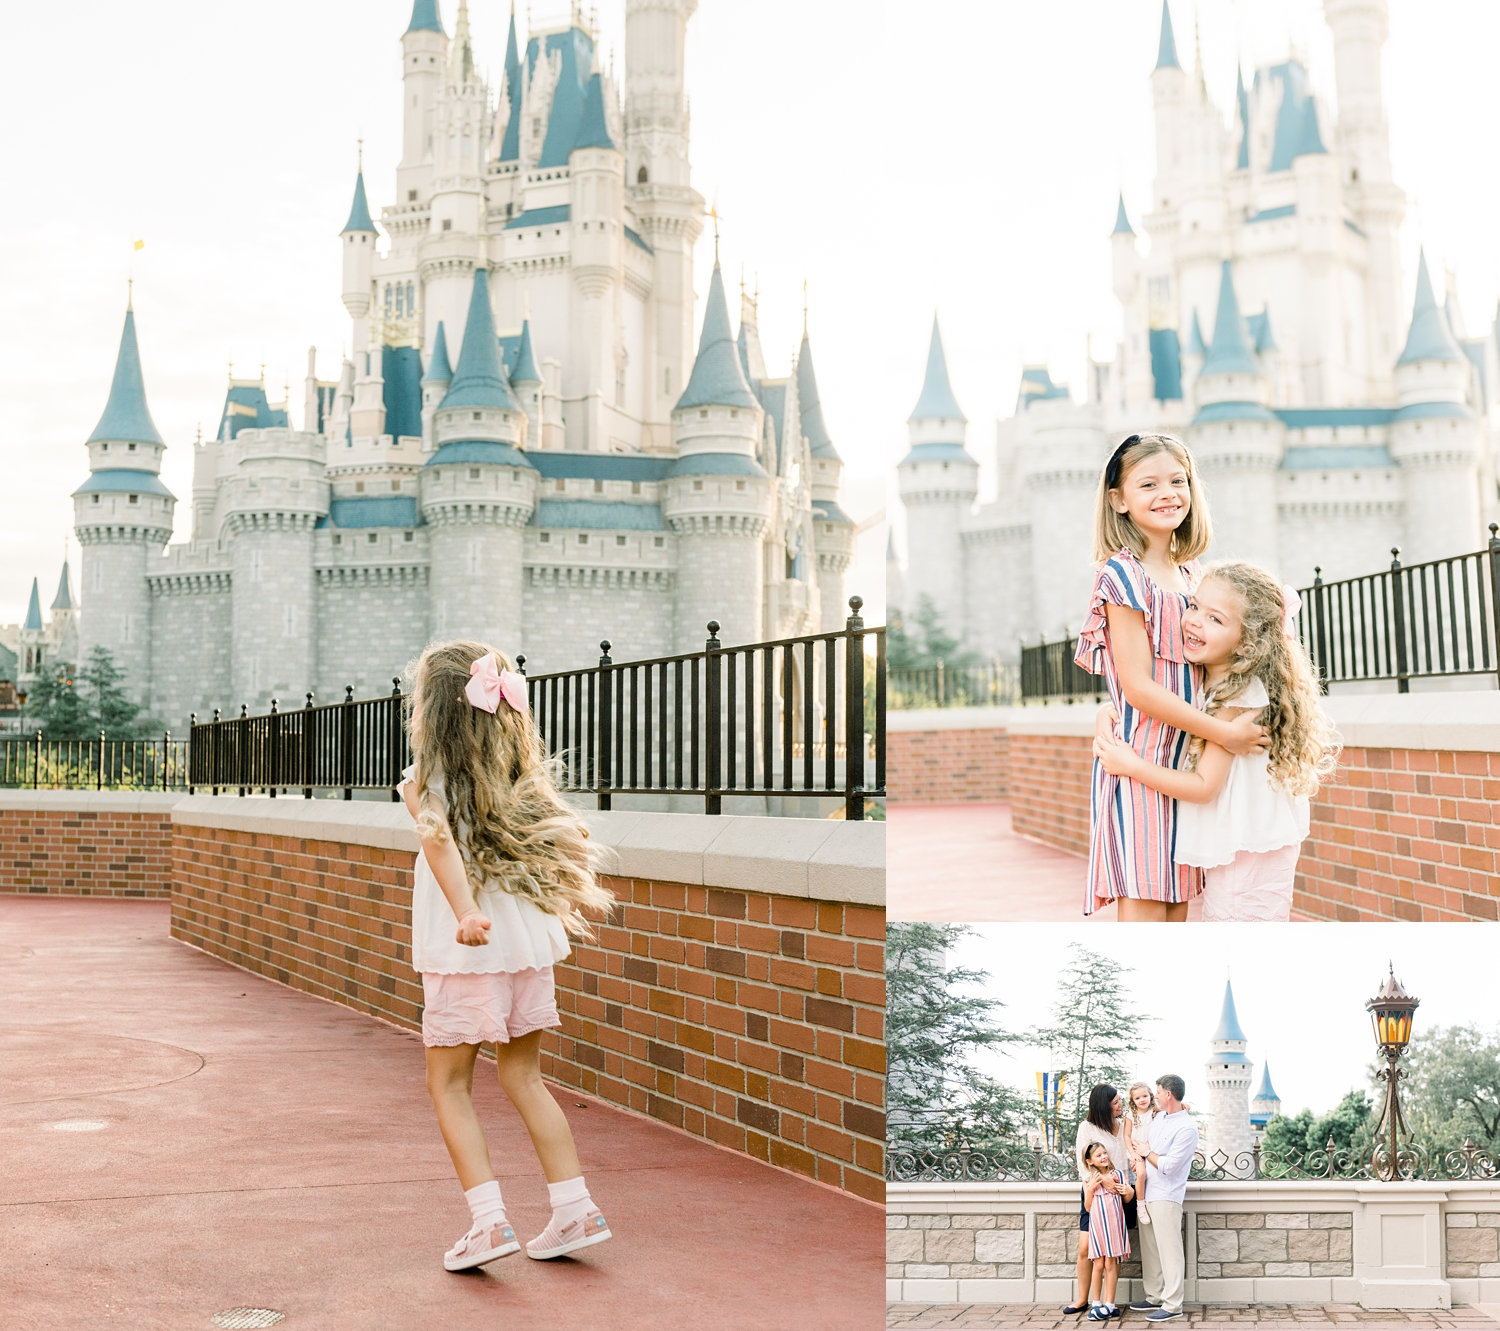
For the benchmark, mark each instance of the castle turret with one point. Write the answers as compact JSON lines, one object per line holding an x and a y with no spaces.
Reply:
{"x":938,"y":482}
{"x":62,"y":630}
{"x":123,"y":518}
{"x":1228,"y":1080}
{"x":1169,"y":91}
{"x":424,"y":50}
{"x":658,"y":184}
{"x":1237,"y":441}
{"x":358,"y":239}
{"x":33,"y":655}
{"x":1125,"y":262}
{"x":717,"y":497}
{"x":435,"y":381}
{"x":1265,"y":1104}
{"x":1435,"y":436}
{"x":478,"y":491}
{"x":833,"y":529}
{"x":526,"y":383}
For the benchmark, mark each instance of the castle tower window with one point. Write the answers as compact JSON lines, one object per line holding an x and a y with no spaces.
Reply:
{"x":659,"y":541}
{"x":371,"y":538}
{"x":408,"y":536}
{"x":620,"y":540}
{"x":395,"y":485}
{"x":583,"y":538}
{"x":598,"y":487}
{"x":135,"y":499}
{"x":96,"y":499}
{"x":387,"y":297}
{"x":559,"y":485}
{"x":640,"y":176}
{"x":130,"y":448}
{"x":473,"y":473}
{"x":697,"y":485}
{"x":411,"y":194}
{"x":337,"y":539}
{"x":545,"y":538}
{"x":635,"y":487}
{"x":479,"y":415}
{"x":739,"y":485}
{"x":359,"y":487}
{"x":447,"y":224}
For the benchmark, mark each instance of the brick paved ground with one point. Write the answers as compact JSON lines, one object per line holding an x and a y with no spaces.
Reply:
{"x":1039,"y":1316}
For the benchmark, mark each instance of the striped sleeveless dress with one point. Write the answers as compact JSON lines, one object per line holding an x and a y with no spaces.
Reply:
{"x":1132,"y":828}
{"x":1108,"y":1236}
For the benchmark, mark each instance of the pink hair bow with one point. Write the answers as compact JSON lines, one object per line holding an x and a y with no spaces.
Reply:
{"x":488,"y":684}
{"x":1291,"y":604}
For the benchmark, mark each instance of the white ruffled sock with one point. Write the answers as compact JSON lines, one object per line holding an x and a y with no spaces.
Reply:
{"x":485,"y":1205}
{"x":570,"y":1200}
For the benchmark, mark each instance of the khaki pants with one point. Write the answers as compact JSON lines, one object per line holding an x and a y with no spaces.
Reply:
{"x":1162,"y":1262}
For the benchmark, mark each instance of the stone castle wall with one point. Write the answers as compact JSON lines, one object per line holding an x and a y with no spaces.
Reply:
{"x":190,"y":650}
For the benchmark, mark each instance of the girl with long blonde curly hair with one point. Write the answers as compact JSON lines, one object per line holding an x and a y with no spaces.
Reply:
{"x":505,"y":875}
{"x":1243,"y":819}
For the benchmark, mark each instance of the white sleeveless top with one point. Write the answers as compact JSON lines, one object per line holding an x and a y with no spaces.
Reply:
{"x":522,"y":935}
{"x":1250,"y":814}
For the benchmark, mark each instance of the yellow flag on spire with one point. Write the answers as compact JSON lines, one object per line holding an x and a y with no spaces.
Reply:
{"x":139,"y":245}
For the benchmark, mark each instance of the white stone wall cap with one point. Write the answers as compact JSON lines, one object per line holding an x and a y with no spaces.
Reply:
{"x":1234,"y":1194}
{"x":951,"y":718}
{"x":826,"y":859}
{"x":1064,"y":718}
{"x":92,"y":801}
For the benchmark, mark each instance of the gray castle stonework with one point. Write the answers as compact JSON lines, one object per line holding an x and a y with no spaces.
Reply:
{"x":577,"y":472}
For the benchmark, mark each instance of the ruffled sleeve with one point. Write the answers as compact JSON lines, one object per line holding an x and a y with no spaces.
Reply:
{"x":1119,"y":581}
{"x":1253,"y":695}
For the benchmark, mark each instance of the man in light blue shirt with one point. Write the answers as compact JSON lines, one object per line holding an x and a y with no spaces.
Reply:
{"x":1166,"y":1165}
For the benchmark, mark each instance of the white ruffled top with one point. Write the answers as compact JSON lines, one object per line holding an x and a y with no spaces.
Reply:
{"x":1249,"y":816}
{"x":522,"y":935}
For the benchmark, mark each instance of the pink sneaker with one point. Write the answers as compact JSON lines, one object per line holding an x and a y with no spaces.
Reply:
{"x":559,"y":1240}
{"x":479,"y":1246}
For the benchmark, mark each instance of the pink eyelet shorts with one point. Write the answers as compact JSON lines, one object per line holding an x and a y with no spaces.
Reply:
{"x":494,"y":1007}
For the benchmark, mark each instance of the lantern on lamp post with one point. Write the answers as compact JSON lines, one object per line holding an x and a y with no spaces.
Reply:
{"x":1391,"y":1013}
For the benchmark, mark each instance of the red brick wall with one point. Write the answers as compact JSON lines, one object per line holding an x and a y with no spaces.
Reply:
{"x":1404,"y":834}
{"x":947,"y":766}
{"x":86,"y":853}
{"x":1049,"y":781}
{"x":755,"y":1021}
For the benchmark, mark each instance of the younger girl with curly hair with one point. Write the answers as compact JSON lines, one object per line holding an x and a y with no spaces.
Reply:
{"x":506,"y":873}
{"x":1243,"y":819}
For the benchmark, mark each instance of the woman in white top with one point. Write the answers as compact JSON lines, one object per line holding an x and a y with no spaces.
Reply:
{"x":1106,"y":1125}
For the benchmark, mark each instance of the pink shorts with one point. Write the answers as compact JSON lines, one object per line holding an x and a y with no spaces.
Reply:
{"x":496,"y":1007}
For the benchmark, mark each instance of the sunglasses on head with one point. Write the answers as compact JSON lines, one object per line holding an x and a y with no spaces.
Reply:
{"x":1112,"y":467}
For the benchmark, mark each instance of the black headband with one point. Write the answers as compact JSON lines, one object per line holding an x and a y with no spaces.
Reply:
{"x":1112,"y":467}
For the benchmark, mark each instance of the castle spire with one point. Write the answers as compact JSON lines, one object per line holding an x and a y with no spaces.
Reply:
{"x":1166,"y":52}
{"x":438,"y":369}
{"x":34,"y":610}
{"x":1229,"y":1021}
{"x":937,"y":402}
{"x":1266,"y":1091}
{"x":64,"y":598}
{"x":811,"y":409}
{"x":1242,"y":104}
{"x":1430,"y":337}
{"x":126,"y":416}
{"x":510,"y":144}
{"x":592,"y":130}
{"x":425,"y":17}
{"x":717,"y":378}
{"x":478,"y":381}
{"x":1122,"y":221}
{"x":1230,"y":352}
{"x":526,"y":371}
{"x":1196,"y":346}
{"x":461,"y":53}
{"x":359,"y":210}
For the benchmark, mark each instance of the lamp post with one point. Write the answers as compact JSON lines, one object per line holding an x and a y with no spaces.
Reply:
{"x":1391,"y":1012}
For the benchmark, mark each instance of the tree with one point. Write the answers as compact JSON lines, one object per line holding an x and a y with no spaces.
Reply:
{"x":1093,"y":1034}
{"x":111,"y":711}
{"x":933,"y":1030}
{"x":55,"y":704}
{"x":72,"y":703}
{"x":1351,"y":1125}
{"x":920,"y":640}
{"x":1452,"y":1088}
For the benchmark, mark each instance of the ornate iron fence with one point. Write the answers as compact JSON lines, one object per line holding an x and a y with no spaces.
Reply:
{"x":994,"y":684}
{"x":39,"y":763}
{"x":1049,"y":674}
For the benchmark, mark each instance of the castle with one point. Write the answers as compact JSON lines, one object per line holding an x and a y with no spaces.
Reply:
{"x":524,"y":447}
{"x":1235,"y":1119}
{"x":1263,"y":325}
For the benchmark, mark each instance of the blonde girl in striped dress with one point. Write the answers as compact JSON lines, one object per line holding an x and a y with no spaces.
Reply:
{"x":1151,"y":526}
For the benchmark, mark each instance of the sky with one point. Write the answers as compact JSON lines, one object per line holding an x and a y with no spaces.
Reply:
{"x":1024,"y":133}
{"x":1299,"y":992}
{"x":225,"y":137}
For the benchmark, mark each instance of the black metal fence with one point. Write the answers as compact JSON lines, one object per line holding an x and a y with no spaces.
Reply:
{"x":1049,"y":674}
{"x":39,"y":763}
{"x":993,"y":684}
{"x":798,"y":716}
{"x":1420,"y":621}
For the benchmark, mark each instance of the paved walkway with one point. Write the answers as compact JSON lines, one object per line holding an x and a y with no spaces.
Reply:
{"x":179,"y":1138}
{"x":1039,"y":1316}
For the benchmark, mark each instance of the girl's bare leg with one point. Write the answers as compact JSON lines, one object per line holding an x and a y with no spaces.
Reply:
{"x":450,"y":1083}
{"x":1176,"y":912}
{"x":1111,"y":1278}
{"x":1131,"y":910}
{"x":519,"y":1064}
{"x":1096,"y":1278}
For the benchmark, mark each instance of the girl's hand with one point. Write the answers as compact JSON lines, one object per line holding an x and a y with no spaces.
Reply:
{"x":1245,"y":736}
{"x":1115,"y":756}
{"x":473,"y":930}
{"x":1105,"y":722}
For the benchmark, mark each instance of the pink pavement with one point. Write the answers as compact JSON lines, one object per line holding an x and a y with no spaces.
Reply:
{"x":179,"y":1138}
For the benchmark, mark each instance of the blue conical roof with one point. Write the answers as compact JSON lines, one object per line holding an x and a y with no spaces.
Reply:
{"x":126,"y":416}
{"x":438,"y":369}
{"x":1122,"y":222}
{"x":1310,"y":139}
{"x":64,"y":598}
{"x":1230,"y":352}
{"x":811,"y":409}
{"x":359,"y":210}
{"x":526,"y":371}
{"x":1430,"y":337}
{"x":1166,"y":52}
{"x":1242,"y":102}
{"x":1229,"y":1021}
{"x":510,"y":145}
{"x":937,"y":402}
{"x":34,"y":610}
{"x":717,"y":378}
{"x":1265,"y":1091}
{"x":479,"y":381}
{"x":1196,"y":346}
{"x":592,"y":131}
{"x":425,"y":17}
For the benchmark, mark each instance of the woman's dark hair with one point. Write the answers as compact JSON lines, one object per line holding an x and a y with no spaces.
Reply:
{"x":1102,"y":1107}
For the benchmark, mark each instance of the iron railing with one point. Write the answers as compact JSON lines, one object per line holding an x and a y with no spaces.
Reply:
{"x":39,"y":763}
{"x":1404,"y":623}
{"x":993,"y":684}
{"x":1049,"y":674}
{"x":798,"y":716}
{"x":1015,"y":1162}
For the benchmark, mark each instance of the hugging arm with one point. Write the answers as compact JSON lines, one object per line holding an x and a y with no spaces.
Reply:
{"x":447,"y":867}
{"x":1132,"y":651}
{"x":1197,"y":787}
